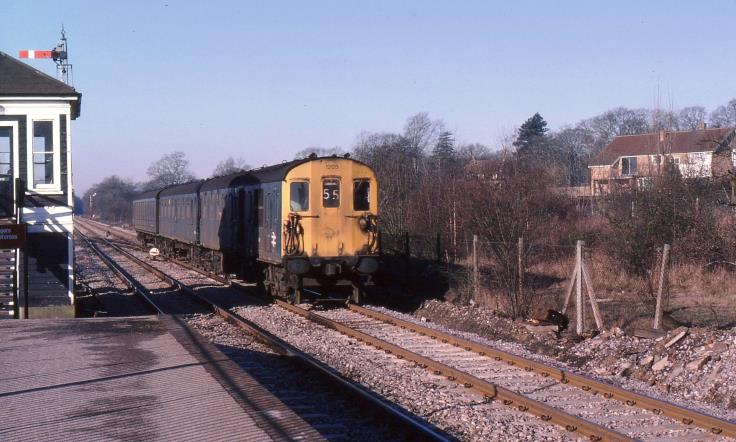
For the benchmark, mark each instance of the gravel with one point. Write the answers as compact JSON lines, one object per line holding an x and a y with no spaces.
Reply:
{"x":611,"y":357}
{"x":445,"y":404}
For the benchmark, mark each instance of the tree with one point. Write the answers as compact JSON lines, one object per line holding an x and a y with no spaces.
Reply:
{"x":230,"y":165}
{"x":473,"y":151}
{"x":170,"y":169}
{"x":689,"y":118}
{"x":444,"y":150}
{"x":615,"y":122}
{"x":575,"y":145}
{"x":532,"y":136}
{"x":319,"y":151}
{"x":421,"y":132}
{"x":111,"y":199}
{"x":724,"y":115}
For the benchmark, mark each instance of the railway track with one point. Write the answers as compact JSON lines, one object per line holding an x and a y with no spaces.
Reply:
{"x":581,"y":405}
{"x":164,"y":295}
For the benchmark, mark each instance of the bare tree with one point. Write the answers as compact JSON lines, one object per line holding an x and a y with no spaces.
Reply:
{"x":689,"y":118}
{"x":319,"y":151}
{"x":724,"y":115}
{"x":111,"y":199}
{"x":618,"y":121}
{"x":422,"y":133}
{"x":170,"y":169}
{"x":230,"y":165}
{"x":472,"y":151}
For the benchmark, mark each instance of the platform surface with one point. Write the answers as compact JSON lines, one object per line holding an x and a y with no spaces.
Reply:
{"x":143,"y":378}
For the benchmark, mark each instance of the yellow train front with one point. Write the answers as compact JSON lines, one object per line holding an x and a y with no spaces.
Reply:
{"x":326,"y":240}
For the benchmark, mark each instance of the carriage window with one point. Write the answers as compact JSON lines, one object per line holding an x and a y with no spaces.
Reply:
{"x":6,"y":148}
{"x":259,"y":204}
{"x":331,"y":192}
{"x":299,"y":197}
{"x":361,"y":195}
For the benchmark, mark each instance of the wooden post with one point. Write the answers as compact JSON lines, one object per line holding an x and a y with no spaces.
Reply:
{"x":662,"y":276}
{"x":591,"y":296}
{"x":475,"y":265}
{"x":579,"y":288}
{"x":520,"y":259}
{"x":570,"y":288}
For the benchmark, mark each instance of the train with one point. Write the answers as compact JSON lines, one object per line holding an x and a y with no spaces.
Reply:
{"x":304,"y":229}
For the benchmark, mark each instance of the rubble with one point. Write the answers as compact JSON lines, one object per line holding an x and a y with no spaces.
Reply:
{"x":694,"y":365}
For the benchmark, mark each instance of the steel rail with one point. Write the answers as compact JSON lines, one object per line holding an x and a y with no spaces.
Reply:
{"x":122,"y":274}
{"x":682,"y":414}
{"x":406,"y":422}
{"x":489,"y":390}
{"x":660,"y":407}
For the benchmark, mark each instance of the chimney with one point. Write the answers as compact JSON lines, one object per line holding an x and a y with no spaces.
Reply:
{"x":661,"y":136}
{"x":702,"y":125}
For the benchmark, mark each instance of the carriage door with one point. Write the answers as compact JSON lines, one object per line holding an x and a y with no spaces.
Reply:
{"x":8,"y":137}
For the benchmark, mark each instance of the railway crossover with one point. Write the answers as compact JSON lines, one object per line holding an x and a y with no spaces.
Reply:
{"x":169,"y":295}
{"x":581,"y":405}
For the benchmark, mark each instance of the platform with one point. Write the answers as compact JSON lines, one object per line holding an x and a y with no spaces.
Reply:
{"x":143,"y":378}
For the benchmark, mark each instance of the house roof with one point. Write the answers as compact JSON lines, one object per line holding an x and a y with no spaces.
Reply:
{"x":702,"y":140}
{"x":18,"y":79}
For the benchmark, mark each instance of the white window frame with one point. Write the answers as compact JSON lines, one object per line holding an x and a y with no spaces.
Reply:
{"x":55,"y":187}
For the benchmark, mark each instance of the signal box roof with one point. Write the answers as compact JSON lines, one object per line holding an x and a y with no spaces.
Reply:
{"x":20,"y":79}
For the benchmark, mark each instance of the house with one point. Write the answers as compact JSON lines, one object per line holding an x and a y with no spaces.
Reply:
{"x":631,"y":160}
{"x":36,"y":111}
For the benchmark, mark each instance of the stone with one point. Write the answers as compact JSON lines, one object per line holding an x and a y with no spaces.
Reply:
{"x":679,"y":334}
{"x":645,"y":361}
{"x":717,"y":348}
{"x":675,"y":372}
{"x":698,"y":363}
{"x":624,"y":369}
{"x":661,"y":364}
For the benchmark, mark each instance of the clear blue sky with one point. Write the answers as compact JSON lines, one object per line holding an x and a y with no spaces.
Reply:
{"x":263,"y":80}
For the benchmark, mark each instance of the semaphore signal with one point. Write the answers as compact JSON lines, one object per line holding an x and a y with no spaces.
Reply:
{"x":60,"y":56}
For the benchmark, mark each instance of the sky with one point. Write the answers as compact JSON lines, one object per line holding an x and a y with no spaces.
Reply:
{"x":263,"y":80}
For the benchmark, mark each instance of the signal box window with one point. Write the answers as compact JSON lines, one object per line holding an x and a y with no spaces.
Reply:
{"x":43,"y":153}
{"x":299,"y":197}
{"x":6,"y":147}
{"x":331,"y":192}
{"x":361,"y":195}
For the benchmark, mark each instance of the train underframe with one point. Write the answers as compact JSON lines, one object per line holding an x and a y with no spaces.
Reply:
{"x":295,"y":279}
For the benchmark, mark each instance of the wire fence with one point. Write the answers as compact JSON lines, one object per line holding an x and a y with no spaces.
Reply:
{"x":523,"y":278}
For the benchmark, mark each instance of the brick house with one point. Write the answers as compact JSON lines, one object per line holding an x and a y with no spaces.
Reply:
{"x":631,"y":160}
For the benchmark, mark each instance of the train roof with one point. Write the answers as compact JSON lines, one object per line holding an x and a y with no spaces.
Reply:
{"x":182,"y":189}
{"x":225,"y":181}
{"x":148,"y":194}
{"x":278,"y":172}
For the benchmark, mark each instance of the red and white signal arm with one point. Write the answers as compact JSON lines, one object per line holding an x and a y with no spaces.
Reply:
{"x":27,"y":53}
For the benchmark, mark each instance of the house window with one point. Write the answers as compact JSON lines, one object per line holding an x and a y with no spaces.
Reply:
{"x":43,"y":153}
{"x":628,"y":166}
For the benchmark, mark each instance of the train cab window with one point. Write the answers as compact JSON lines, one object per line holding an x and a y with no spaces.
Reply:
{"x":299,"y":197}
{"x":361,"y":195}
{"x":331,"y":192}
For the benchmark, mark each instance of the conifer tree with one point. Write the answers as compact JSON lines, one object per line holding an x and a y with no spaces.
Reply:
{"x":532,"y":138}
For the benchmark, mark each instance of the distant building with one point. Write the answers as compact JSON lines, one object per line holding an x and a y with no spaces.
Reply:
{"x":631,"y":160}
{"x":36,"y":111}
